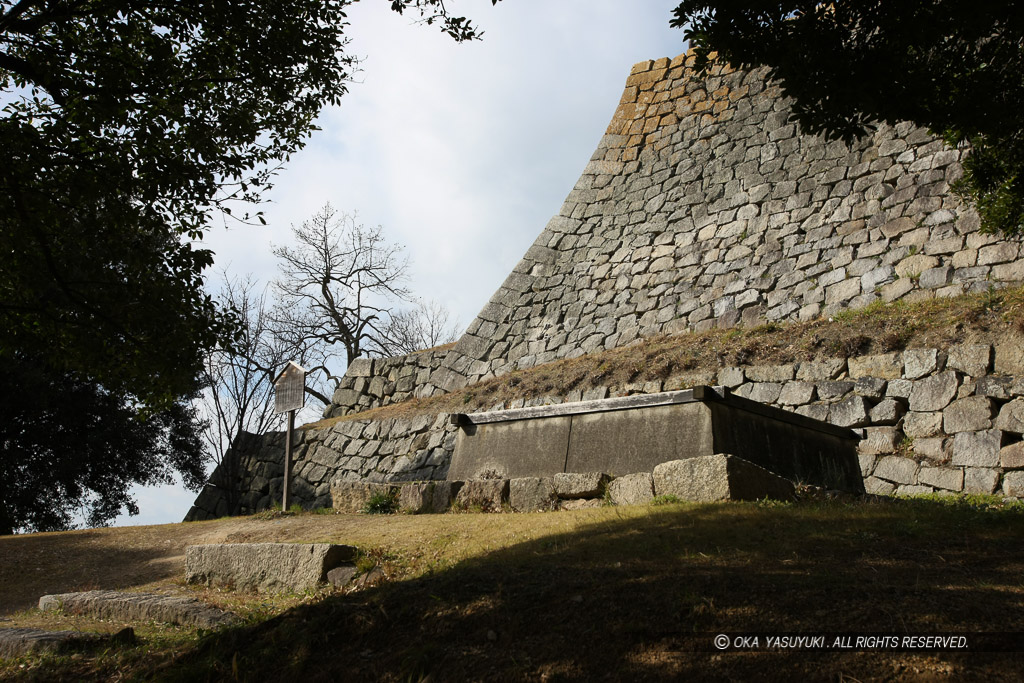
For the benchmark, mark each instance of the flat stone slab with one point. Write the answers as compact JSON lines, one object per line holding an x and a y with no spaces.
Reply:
{"x":266,"y":567}
{"x":15,"y":642}
{"x":712,"y":478}
{"x":138,"y":607}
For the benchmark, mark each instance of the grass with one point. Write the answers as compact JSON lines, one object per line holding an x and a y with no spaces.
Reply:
{"x":606,"y":593}
{"x":684,"y":360}
{"x":382,"y":503}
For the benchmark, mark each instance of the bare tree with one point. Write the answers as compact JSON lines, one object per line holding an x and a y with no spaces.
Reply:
{"x":419,"y":328}
{"x":238,"y":393}
{"x":338,"y":285}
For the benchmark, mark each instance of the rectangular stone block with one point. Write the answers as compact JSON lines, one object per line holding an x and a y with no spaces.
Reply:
{"x":580,"y":484}
{"x":360,"y":367}
{"x":831,"y":390}
{"x":852,"y":411}
{"x":970,"y":414}
{"x":1009,"y":358}
{"x":488,"y":494}
{"x":934,"y":392}
{"x":1013,"y":484}
{"x":428,"y":496}
{"x":879,"y":441}
{"x":269,"y":567}
{"x":770,"y":373}
{"x":980,"y":480}
{"x":948,"y":478}
{"x":797,"y":393}
{"x":918,"y":363}
{"x":352,"y":496}
{"x":934,"y":448}
{"x":878,"y":487}
{"x":888,"y":411}
{"x":971,"y":359}
{"x":882,"y":366}
{"x":120,"y":606}
{"x":632,"y":489}
{"x":813,"y":371}
{"x":16,"y":642}
{"x":532,"y":494}
{"x":731,"y":377}
{"x":922,"y":425}
{"x":719,"y":477}
{"x":977,"y":449}
{"x":1012,"y":457}
{"x":898,"y":469}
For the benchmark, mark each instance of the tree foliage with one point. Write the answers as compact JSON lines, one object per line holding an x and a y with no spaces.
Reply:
{"x":69,"y":447}
{"x":954,"y":66}
{"x":127,"y":128}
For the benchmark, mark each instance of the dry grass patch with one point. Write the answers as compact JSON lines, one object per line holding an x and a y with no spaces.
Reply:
{"x":989,"y":317}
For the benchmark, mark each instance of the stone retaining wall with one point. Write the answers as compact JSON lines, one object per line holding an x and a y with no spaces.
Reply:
{"x":935,"y":420}
{"x":704,"y":206}
{"x":374,"y":382}
{"x":417,"y":449}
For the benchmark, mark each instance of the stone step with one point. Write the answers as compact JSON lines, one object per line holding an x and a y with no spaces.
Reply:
{"x":267,"y":567}
{"x":121,"y":606}
{"x":15,"y":642}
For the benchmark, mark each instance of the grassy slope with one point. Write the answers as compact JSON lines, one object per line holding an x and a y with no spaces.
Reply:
{"x":612,"y":593}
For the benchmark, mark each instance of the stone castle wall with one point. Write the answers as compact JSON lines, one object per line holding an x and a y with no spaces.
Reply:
{"x":946,"y":420}
{"x":704,"y":206}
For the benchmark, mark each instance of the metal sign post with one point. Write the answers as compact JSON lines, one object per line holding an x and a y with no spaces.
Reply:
{"x":289,"y":396}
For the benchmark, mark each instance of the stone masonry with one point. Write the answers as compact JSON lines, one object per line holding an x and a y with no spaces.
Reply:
{"x":417,"y":449}
{"x":935,"y":420}
{"x":704,"y":206}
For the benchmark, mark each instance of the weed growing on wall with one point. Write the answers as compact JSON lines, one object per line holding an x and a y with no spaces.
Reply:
{"x":382,"y":503}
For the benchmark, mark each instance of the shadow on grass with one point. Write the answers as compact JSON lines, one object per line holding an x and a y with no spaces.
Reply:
{"x":622,"y":599}
{"x":34,"y":565}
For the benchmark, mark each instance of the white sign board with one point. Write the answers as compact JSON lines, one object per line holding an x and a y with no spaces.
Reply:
{"x":290,"y":388}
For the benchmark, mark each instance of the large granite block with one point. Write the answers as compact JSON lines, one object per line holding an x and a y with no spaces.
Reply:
{"x":711,"y":478}
{"x":268,"y":567}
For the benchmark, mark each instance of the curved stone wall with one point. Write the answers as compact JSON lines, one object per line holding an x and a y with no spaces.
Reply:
{"x":704,"y":206}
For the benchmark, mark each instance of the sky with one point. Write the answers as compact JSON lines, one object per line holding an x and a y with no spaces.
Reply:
{"x":461,"y":152}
